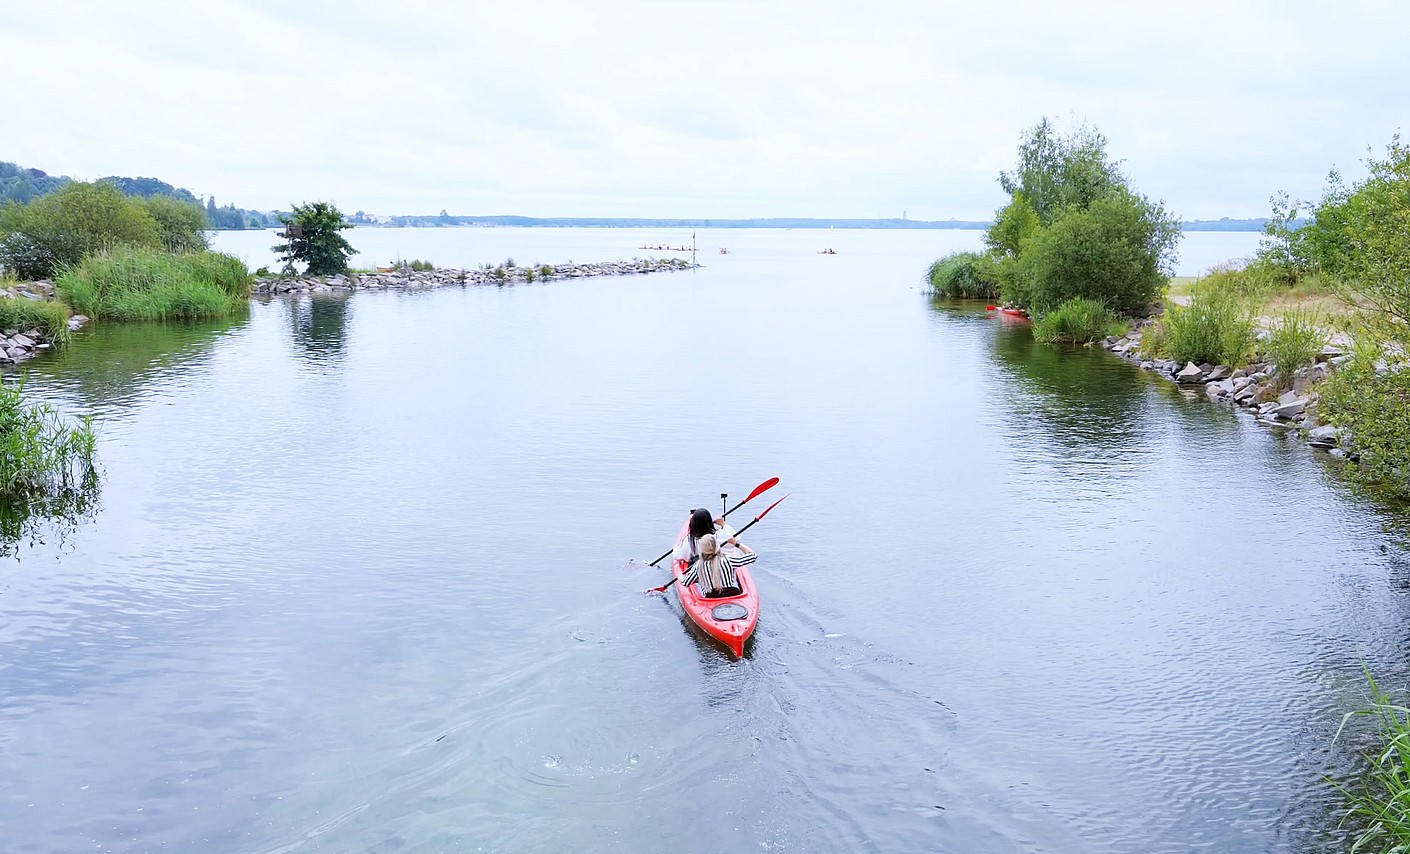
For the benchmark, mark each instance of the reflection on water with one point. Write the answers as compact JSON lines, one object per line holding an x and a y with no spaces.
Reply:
{"x":108,"y":365}
{"x":320,"y":324}
{"x":47,"y":518}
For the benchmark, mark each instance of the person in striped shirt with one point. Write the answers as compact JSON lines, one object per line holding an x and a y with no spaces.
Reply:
{"x":713,"y":552}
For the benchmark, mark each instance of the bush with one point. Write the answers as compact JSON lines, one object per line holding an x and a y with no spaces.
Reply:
{"x":1077,"y":321}
{"x":1113,"y":251}
{"x":136,"y":284}
{"x":1217,"y":327}
{"x":418,"y":265}
{"x":56,"y":231}
{"x":182,"y":225}
{"x":964,"y":274}
{"x":50,"y":318}
{"x":1374,"y":407}
{"x":319,"y":246}
{"x":1293,"y":342}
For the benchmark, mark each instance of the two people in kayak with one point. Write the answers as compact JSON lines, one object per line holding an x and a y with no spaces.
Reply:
{"x":712,"y":551}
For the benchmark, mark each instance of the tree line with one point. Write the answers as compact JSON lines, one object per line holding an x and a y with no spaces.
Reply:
{"x":21,"y":185}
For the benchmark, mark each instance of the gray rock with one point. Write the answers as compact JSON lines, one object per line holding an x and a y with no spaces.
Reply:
{"x":1206,"y":367}
{"x":1220,"y":372}
{"x":16,"y":353}
{"x":23,"y":341}
{"x":1190,"y":374}
{"x":1239,"y":373}
{"x":1330,"y":352}
{"x":1338,"y":453}
{"x":1324,"y":437}
{"x":1287,"y":409}
{"x":1240,"y":383}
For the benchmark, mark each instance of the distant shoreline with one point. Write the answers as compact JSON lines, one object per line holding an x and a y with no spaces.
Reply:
{"x":1233,"y":225}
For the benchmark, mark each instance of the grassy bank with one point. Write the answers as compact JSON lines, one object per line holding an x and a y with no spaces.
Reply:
{"x":128,"y":283}
{"x":50,"y":318}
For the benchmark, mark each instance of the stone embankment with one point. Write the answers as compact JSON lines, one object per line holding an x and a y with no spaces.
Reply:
{"x":17,"y":345}
{"x":1255,"y":387}
{"x":408,"y":279}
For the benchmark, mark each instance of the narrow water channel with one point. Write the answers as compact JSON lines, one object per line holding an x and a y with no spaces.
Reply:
{"x":366,"y":574}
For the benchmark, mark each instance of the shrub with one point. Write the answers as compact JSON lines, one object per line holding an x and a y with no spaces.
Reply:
{"x":964,"y":274}
{"x":1217,"y":326}
{"x":420,"y":266}
{"x":319,"y":245}
{"x":136,"y":284}
{"x":1077,"y":321}
{"x":50,"y":318}
{"x":1293,"y":342}
{"x":1115,"y":251}
{"x":41,"y":238}
{"x":182,"y":225}
{"x":1371,"y":399}
{"x":545,"y":271}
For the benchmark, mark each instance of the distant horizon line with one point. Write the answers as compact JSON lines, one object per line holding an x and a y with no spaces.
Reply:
{"x":455,"y":220}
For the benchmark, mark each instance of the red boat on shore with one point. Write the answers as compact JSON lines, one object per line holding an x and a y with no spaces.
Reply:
{"x":730,"y":619}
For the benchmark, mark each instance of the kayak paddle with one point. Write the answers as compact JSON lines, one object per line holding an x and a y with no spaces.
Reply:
{"x":758,"y":490}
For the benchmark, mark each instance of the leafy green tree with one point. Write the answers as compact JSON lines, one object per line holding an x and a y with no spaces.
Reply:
{"x":1056,"y":172}
{"x":319,"y":245}
{"x":1015,"y":223}
{"x":1117,"y":250}
{"x":183,"y":225}
{"x":1375,"y":219}
{"x":59,"y":230}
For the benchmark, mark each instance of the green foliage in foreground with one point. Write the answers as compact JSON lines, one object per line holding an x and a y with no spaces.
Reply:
{"x":50,"y":318}
{"x":1217,"y":327}
{"x":39,"y":454}
{"x":1077,"y":321}
{"x":135,"y":284}
{"x":1294,"y":342}
{"x":320,"y":246}
{"x":964,"y":274}
{"x":1381,"y":803}
{"x":1374,"y":407}
{"x":57,"y":231}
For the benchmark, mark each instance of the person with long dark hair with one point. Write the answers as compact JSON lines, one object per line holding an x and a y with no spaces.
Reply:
{"x":712,"y":551}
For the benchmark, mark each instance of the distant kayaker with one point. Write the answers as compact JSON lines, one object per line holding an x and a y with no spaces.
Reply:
{"x":711,"y":545}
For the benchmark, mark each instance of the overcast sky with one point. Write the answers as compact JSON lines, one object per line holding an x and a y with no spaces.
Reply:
{"x":695,"y":108}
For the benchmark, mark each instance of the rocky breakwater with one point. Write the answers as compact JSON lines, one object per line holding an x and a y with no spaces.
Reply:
{"x":1256,"y":387}
{"x":407,"y":279}
{"x":17,"y":345}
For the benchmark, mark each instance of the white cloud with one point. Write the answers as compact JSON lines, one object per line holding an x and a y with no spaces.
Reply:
{"x":694,"y":108}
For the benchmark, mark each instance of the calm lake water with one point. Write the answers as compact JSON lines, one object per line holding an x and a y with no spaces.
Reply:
{"x":367,"y":573}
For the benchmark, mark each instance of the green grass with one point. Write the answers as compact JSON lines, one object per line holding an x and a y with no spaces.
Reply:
{"x":1292,"y":343}
{"x":1077,"y":321}
{"x":1217,"y":327}
{"x":126,"y":283}
{"x":1380,"y":803}
{"x":39,"y":453}
{"x":968,"y":275}
{"x":50,"y":318}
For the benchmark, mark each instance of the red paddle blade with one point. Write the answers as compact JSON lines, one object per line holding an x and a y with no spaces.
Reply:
{"x":761,"y":489}
{"x":770,"y":507}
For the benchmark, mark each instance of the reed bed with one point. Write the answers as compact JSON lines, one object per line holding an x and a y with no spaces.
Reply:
{"x":126,"y":283}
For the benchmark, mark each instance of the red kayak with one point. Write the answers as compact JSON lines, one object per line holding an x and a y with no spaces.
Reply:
{"x":729,"y":620}
{"x":1016,"y":313}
